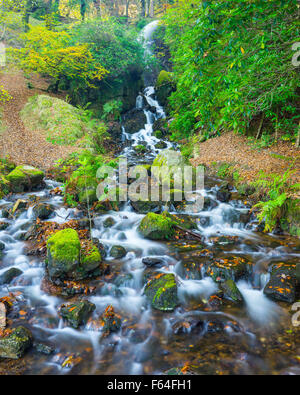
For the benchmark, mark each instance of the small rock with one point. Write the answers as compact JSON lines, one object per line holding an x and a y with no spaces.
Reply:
{"x":15,"y":345}
{"x":77,"y":314}
{"x":43,"y":348}
{"x":231,"y":291}
{"x":3,"y":225}
{"x":9,"y":275}
{"x":153,"y":262}
{"x":111,"y":321}
{"x":161,"y":291}
{"x":42,"y":211}
{"x":109,"y":222}
{"x":118,"y":252}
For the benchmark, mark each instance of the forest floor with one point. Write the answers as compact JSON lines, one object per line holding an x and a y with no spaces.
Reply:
{"x":21,"y":145}
{"x":246,"y":159}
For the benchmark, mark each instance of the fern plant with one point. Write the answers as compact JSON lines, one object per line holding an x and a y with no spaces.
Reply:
{"x":278,"y":190}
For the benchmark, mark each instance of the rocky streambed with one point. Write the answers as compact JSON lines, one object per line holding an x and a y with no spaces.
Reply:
{"x":141,"y":288}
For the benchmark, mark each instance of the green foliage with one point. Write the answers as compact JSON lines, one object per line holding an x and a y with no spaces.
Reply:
{"x":278,"y":190}
{"x":53,"y":53}
{"x":233,"y":64}
{"x":112,"y":44}
{"x":112,"y":110}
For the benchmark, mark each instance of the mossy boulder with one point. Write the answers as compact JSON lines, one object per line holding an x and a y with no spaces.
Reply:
{"x":66,"y":258}
{"x":161,"y":291}
{"x":110,"y":320}
{"x":118,"y":252}
{"x":156,"y":227}
{"x":24,"y":178}
{"x":109,"y":222}
{"x":9,"y":275}
{"x":164,"y":86}
{"x":42,"y":211}
{"x":15,"y":345}
{"x":77,"y":314}
{"x":231,"y":292}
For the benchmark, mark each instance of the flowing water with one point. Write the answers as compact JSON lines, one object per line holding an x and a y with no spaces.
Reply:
{"x":234,"y":339}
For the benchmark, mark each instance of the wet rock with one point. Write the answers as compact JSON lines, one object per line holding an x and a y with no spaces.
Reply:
{"x":24,"y":178}
{"x":15,"y":345}
{"x":2,"y":246}
{"x":5,"y":213}
{"x":124,"y":280}
{"x":134,"y":120}
{"x":298,"y":272}
{"x":3,"y":225}
{"x":174,"y":372}
{"x":66,"y":258}
{"x":9,"y":275}
{"x":140,"y":149}
{"x":224,"y":194}
{"x":111,"y":321}
{"x":44,"y":348}
{"x":122,"y":236}
{"x":42,"y":211}
{"x":77,"y":314}
{"x":20,"y":205}
{"x":118,"y":252}
{"x":282,"y":284}
{"x":109,"y":222}
{"x":161,"y":291}
{"x":161,"y":145}
{"x":153,"y":262}
{"x":156,"y":227}
{"x":144,"y":207}
{"x":231,"y":291}
{"x":164,"y":87}
{"x":230,"y":267}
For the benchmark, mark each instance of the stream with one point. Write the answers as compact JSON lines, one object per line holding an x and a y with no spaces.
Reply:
{"x":230,"y":339}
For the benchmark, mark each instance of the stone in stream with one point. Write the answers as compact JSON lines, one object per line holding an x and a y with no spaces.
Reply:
{"x":156,"y":227}
{"x":2,"y":246}
{"x":42,"y":211}
{"x":68,"y":260}
{"x":231,"y":291}
{"x":109,"y":222}
{"x":224,"y":194}
{"x":231,"y":267}
{"x":282,"y":284}
{"x":110,"y":320}
{"x":161,"y":291}
{"x":298,"y":272}
{"x":118,"y":252}
{"x":153,"y":262}
{"x":9,"y":275}
{"x":161,"y":145}
{"x":134,"y":120}
{"x":44,"y":348}
{"x":144,"y":207}
{"x":3,"y":225}
{"x":77,"y":314}
{"x":14,"y":345}
{"x":24,"y":178}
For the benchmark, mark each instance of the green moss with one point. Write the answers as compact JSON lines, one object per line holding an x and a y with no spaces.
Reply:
{"x":162,"y":292}
{"x":65,"y":245}
{"x":92,"y":259}
{"x":24,"y":178}
{"x":164,"y":78}
{"x":156,"y":227}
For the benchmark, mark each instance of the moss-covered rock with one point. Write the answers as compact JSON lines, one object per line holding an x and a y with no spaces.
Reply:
{"x":164,"y":86}
{"x":77,"y":314}
{"x":118,"y":252}
{"x":161,"y":291}
{"x":156,"y":227}
{"x":231,"y":291}
{"x":9,"y":275}
{"x":15,"y":345}
{"x":24,"y":178}
{"x":231,"y":267}
{"x":63,"y":250}
{"x":68,"y":260}
{"x":109,"y":222}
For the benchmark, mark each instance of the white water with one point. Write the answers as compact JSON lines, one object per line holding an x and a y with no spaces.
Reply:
{"x":128,"y":298}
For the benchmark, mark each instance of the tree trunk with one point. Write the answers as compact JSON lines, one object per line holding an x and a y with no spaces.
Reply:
{"x":143,"y":8}
{"x":151,"y":8}
{"x":97,"y":5}
{"x":127,"y":8}
{"x":82,"y":9}
{"x":298,"y":137}
{"x":260,"y":126}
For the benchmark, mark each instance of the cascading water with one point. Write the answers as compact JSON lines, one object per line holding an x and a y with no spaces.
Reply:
{"x":150,"y":341}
